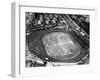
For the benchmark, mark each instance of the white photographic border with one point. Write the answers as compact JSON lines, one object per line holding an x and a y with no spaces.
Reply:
{"x":18,"y":68}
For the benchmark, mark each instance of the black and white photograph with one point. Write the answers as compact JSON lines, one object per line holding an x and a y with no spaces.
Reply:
{"x":56,"y":39}
{"x":53,"y":40}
